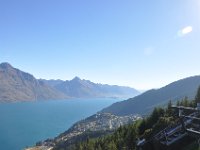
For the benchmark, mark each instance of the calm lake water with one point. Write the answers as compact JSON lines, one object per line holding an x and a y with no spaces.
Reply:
{"x":25,"y":123}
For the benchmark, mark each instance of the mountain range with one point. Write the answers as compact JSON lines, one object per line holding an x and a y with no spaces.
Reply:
{"x":86,"y":89}
{"x":16,"y":85}
{"x":144,"y":103}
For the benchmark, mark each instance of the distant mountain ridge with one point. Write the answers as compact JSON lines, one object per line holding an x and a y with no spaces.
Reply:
{"x":144,"y":103}
{"x":86,"y":89}
{"x":16,"y":85}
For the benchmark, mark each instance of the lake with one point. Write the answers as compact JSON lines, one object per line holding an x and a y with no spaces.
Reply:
{"x":25,"y":123}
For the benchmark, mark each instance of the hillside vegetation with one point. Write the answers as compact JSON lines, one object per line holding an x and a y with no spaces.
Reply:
{"x":126,"y":137}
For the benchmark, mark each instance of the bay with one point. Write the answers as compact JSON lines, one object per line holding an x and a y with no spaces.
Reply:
{"x":25,"y":123}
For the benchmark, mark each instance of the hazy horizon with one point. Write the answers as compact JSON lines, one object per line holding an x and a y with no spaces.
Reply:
{"x":140,"y":44}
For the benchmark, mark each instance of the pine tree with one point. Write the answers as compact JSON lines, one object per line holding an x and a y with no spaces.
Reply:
{"x":197,"y":98}
{"x":178,"y":103}
{"x":169,"y":108}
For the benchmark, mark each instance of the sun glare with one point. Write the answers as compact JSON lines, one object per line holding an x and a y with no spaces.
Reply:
{"x":187,"y":30}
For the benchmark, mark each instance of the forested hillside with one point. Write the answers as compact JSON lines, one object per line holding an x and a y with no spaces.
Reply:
{"x":126,"y":137}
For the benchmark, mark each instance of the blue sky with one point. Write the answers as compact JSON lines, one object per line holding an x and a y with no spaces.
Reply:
{"x":138,"y":43}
